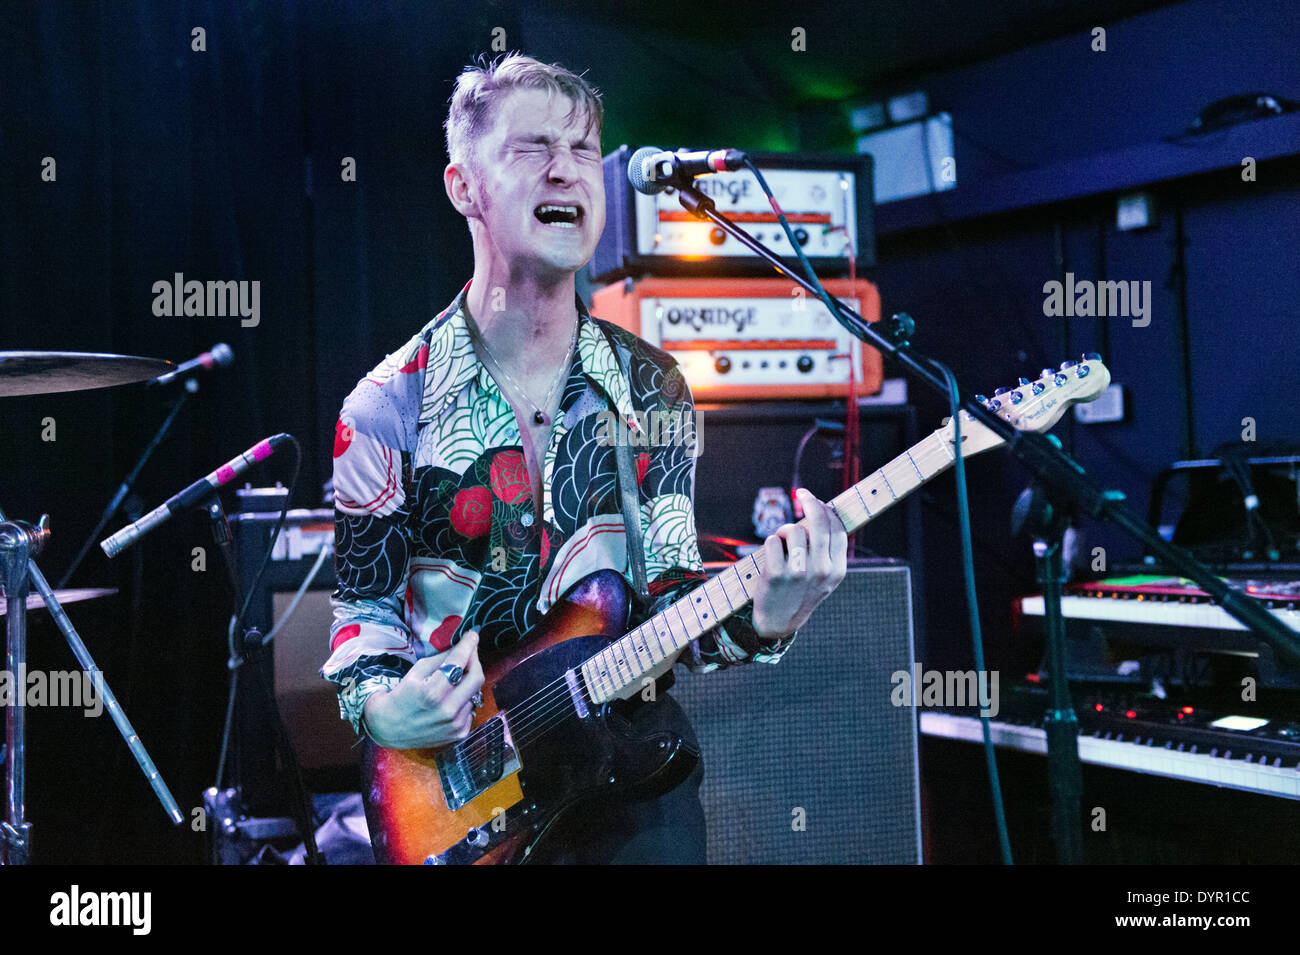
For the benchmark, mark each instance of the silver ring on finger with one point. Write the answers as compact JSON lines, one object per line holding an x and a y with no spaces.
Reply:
{"x":453,"y":673}
{"x":797,"y":561}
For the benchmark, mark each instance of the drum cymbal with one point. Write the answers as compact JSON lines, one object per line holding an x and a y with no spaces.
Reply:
{"x":37,"y":602}
{"x":46,"y":372}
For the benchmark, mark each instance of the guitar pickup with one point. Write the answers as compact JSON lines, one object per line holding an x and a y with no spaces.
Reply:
{"x":469,"y":768}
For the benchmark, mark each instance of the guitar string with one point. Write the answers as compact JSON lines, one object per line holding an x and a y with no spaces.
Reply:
{"x":535,"y":715}
{"x":526,"y":713}
{"x":532,"y":717}
{"x":555,"y":696}
{"x":551,"y":705}
{"x":531,"y":713}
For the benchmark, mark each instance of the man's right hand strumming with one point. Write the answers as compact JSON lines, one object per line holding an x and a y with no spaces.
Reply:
{"x":425,"y":709}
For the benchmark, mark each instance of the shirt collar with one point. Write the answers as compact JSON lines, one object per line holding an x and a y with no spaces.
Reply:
{"x":453,"y":363}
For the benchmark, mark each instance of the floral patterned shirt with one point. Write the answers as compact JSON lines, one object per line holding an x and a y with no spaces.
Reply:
{"x":435,"y":529}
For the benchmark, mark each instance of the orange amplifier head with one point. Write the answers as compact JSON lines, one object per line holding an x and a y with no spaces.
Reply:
{"x":741,"y":339}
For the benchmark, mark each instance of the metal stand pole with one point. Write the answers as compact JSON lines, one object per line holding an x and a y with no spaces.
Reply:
{"x":18,"y":537}
{"x":1038,"y":516}
{"x":19,"y":541}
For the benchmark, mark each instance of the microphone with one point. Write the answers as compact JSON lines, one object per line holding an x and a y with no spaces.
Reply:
{"x":221,"y":355}
{"x":192,"y":495}
{"x":651,"y":170}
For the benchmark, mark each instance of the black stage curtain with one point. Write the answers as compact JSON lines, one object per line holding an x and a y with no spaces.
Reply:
{"x":219,"y":164}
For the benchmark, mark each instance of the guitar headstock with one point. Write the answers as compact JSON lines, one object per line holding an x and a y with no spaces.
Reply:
{"x":1036,"y":405}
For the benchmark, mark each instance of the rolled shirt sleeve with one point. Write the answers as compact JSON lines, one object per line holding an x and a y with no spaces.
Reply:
{"x":371,"y":645}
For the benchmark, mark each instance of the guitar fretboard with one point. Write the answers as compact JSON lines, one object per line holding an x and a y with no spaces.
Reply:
{"x":626,"y":661}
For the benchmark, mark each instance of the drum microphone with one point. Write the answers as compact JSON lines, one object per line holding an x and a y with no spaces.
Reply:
{"x":651,"y":170}
{"x":192,"y":495}
{"x":220,"y":356}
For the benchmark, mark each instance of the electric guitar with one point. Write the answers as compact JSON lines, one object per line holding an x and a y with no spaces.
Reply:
{"x":554,"y":731}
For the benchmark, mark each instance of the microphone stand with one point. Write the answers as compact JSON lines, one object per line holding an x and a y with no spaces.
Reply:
{"x":191,"y":386}
{"x":1036,"y":515}
{"x":250,"y":648}
{"x":1061,"y":477}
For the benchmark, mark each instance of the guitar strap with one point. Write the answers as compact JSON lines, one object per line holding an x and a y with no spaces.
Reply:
{"x":627,"y":485}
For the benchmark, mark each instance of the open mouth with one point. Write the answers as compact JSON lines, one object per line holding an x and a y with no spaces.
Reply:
{"x":559,"y":216}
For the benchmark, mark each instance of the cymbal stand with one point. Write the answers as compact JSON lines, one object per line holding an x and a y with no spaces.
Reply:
{"x":20,"y":542}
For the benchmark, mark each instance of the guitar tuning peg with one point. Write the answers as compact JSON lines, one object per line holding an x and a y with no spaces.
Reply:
{"x":1024,"y":381}
{"x":1081,"y":371}
{"x":1067,"y":364}
{"x":1046,"y":373}
{"x":999,"y":391}
{"x":981,"y":399}
{"x":994,"y":404}
{"x":1091,"y":356}
{"x":1060,"y":380}
{"x":1039,"y":387}
{"x":1016,"y":397}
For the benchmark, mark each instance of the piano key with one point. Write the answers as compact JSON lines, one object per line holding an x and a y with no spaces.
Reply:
{"x":1169,"y":613}
{"x":1233,"y":773}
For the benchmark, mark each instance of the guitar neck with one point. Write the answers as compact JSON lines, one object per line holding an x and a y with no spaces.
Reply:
{"x":626,"y":661}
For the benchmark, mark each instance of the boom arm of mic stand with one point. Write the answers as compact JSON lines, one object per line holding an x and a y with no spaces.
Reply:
{"x":1043,"y":457}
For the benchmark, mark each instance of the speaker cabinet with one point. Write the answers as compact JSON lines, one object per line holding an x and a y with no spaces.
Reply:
{"x":808,"y":761}
{"x":308,"y":703}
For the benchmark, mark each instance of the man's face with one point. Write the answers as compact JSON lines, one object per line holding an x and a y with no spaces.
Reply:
{"x":539,"y":188}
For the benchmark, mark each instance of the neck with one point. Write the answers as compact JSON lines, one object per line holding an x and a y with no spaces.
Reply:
{"x":524,"y":321}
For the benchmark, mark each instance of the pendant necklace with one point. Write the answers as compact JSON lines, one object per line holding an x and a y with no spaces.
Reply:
{"x":495,"y":369}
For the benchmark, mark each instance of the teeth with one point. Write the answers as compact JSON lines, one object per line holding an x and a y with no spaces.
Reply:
{"x":551,"y":209}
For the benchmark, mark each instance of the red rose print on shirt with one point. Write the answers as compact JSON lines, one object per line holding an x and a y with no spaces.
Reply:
{"x":471,"y":513}
{"x":343,"y":435}
{"x":642,"y":465}
{"x":440,"y":639}
{"x":345,"y":634}
{"x":509,"y":477}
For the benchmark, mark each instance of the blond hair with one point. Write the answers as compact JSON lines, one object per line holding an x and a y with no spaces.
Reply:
{"x":480,"y":87}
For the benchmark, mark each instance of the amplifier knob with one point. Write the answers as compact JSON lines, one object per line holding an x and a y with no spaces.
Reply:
{"x":801,"y":236}
{"x":723,"y":365}
{"x":804,"y":364}
{"x":717,"y":236}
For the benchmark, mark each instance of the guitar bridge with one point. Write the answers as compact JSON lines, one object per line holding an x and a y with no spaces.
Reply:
{"x":476,"y":764}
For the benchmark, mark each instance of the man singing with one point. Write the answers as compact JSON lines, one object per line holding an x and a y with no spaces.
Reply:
{"x":474,"y":480}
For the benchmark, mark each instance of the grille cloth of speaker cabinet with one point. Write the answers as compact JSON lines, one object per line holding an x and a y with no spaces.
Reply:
{"x":816,"y":731}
